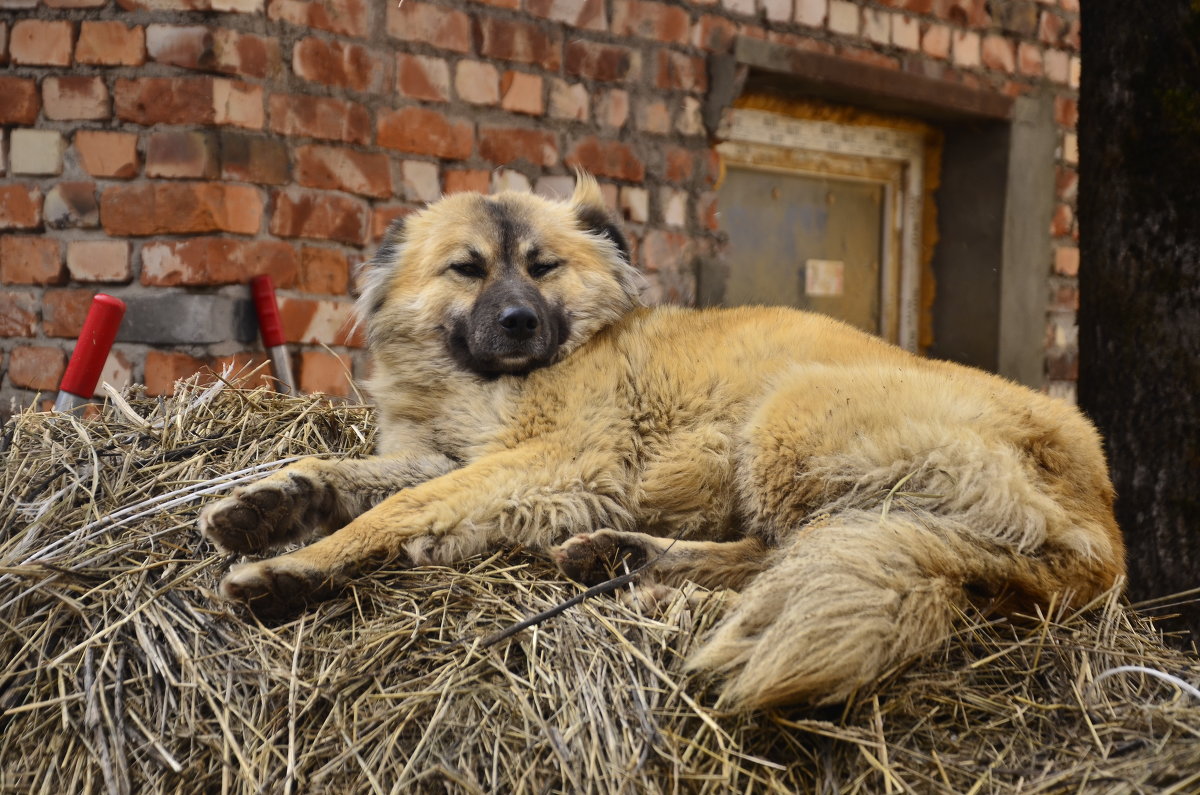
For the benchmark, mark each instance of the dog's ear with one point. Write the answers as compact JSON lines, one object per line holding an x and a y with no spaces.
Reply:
{"x":593,"y":215}
{"x":373,"y":275}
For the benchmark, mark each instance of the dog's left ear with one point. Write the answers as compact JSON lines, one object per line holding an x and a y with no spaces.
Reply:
{"x":593,"y":215}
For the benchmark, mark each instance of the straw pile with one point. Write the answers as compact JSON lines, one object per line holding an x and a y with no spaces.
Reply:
{"x":120,"y":671}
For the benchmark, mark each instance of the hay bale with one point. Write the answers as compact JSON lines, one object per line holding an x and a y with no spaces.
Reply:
{"x":120,"y":671}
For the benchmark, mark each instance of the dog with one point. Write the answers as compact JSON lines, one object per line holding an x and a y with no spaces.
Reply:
{"x":859,"y":497}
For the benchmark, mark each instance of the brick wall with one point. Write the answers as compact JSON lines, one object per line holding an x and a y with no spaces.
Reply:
{"x":165,"y":151}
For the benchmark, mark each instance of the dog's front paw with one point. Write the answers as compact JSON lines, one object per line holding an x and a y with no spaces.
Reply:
{"x":277,"y":588}
{"x":265,"y":514}
{"x":592,"y":558}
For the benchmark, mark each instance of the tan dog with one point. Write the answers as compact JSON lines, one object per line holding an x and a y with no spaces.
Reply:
{"x":857,"y":495}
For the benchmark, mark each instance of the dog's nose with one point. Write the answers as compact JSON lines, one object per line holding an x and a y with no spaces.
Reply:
{"x":518,"y":321}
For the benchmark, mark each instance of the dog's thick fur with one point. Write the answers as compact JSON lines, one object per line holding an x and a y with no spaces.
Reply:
{"x":858,"y":496}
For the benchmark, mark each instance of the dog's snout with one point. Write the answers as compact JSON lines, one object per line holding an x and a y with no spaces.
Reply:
{"x":518,"y":321}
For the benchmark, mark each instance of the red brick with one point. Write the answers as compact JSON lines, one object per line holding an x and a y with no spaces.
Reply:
{"x":238,"y":104}
{"x":74,"y":3}
{"x":235,"y":6}
{"x":164,"y":369}
{"x":348,"y":17}
{"x":37,"y":42}
{"x":1066,"y":261}
{"x":382,"y":216}
{"x":71,"y":204}
{"x":508,"y":145}
{"x":20,"y":207}
{"x":472,"y":180}
{"x":1061,"y":223}
{"x":715,"y":34}
{"x":323,"y":270}
{"x":335,"y":168}
{"x":320,"y":117}
{"x":254,"y":158}
{"x":31,"y":260}
{"x":1066,"y":184}
{"x":334,"y":63}
{"x":606,"y":62}
{"x":998,"y":53}
{"x":18,"y":313}
{"x":1050,"y":28}
{"x":21,"y":101}
{"x":164,"y":208}
{"x":65,"y":98}
{"x":680,"y":165}
{"x":110,"y":44}
{"x":3,"y":42}
{"x":679,"y":71}
{"x":477,"y":82}
{"x":63,"y":312}
{"x":1029,"y":60}
{"x":204,"y":261}
{"x":651,"y":20}
{"x":165,"y":100}
{"x":585,"y":15}
{"x":440,"y":27}
{"x":249,"y":370}
{"x":422,"y":77}
{"x":325,"y":372}
{"x":509,"y":40}
{"x":98,"y":260}
{"x":935,"y":41}
{"x":522,"y":93}
{"x":318,"y":215}
{"x":213,"y":49}
{"x":1066,"y":111}
{"x":107,"y":154}
{"x":318,"y":321}
{"x":607,"y":159}
{"x":37,"y":367}
{"x":182,"y":154}
{"x":426,"y":132}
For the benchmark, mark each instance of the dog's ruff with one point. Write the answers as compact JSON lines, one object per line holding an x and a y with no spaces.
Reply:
{"x":858,"y":496}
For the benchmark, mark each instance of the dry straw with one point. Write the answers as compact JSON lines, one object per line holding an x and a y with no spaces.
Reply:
{"x":121,"y":672}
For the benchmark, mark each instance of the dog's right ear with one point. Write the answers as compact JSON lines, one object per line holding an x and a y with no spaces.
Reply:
{"x":593,"y":215}
{"x":373,"y":274}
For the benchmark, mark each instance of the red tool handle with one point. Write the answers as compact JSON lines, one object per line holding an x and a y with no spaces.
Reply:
{"x":91,"y":351}
{"x":263,"y":290}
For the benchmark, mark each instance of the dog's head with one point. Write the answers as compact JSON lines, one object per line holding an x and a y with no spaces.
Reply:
{"x":502,"y":284}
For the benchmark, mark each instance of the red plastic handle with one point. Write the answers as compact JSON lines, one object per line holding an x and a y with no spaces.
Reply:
{"x":95,"y":341}
{"x":263,"y":290}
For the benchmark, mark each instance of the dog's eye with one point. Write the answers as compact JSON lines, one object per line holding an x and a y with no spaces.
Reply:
{"x":540,"y":269}
{"x":468,"y":269}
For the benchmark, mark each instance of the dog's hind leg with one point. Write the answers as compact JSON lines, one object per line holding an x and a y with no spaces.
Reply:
{"x":591,"y":558}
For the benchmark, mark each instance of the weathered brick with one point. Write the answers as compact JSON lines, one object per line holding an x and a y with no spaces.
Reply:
{"x":477,"y":82}
{"x":651,"y":20}
{"x":568,"y":100}
{"x":605,"y":62}
{"x":936,"y":41}
{"x":844,"y":17}
{"x":35,"y":152}
{"x":206,"y":261}
{"x":335,"y":63}
{"x":317,"y":215}
{"x":467,"y":181}
{"x":580,"y":14}
{"x":510,"y":40}
{"x":382,"y":216}
{"x":323,"y":270}
{"x":37,"y":42}
{"x":420,"y":181}
{"x":966,"y":46}
{"x":326,"y":373}
{"x":690,"y":121}
{"x":249,"y":369}
{"x":347,"y":17}
{"x":31,"y":260}
{"x":998,"y":53}
{"x":68,"y":98}
{"x":253,"y":158}
{"x":679,"y":71}
{"x":3,"y":42}
{"x":63,"y":312}
{"x":426,"y":132}
{"x":437,"y":26}
{"x":1057,"y":63}
{"x":1029,"y":60}
{"x":510,"y":145}
{"x":233,"y":6}
{"x":22,"y":103}
{"x":18,"y":313}
{"x":71,"y":204}
{"x":613,"y":159}
{"x":635,"y":204}
{"x":612,"y":110}
{"x":238,"y":104}
{"x":715,"y":34}
{"x":107,"y":154}
{"x":1062,"y":222}
{"x":163,"y":208}
{"x":37,"y":367}
{"x":521,"y":93}
{"x":98,"y":260}
{"x":182,"y":154}
{"x":680,"y":165}
{"x":163,"y":369}
{"x":336,"y":168}
{"x":74,"y":3}
{"x":508,"y":179}
{"x":213,"y":49}
{"x":110,"y":44}
{"x":1066,"y":261}
{"x":1050,"y":28}
{"x":876,"y":26}
{"x":320,"y":117}
{"x":165,"y":100}
{"x":906,"y":33}
{"x":811,"y":13}
{"x":318,"y":321}
{"x":20,"y":207}
{"x":422,"y":77}
{"x":1066,"y":111}
{"x":653,"y":117}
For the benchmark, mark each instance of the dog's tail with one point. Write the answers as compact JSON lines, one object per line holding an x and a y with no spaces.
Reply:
{"x":851,"y":596}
